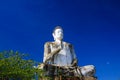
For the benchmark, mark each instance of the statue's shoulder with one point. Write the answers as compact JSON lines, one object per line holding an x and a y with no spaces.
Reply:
{"x":49,"y":43}
{"x":67,"y":44}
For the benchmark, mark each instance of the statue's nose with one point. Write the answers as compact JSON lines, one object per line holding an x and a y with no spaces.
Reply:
{"x":60,"y":33}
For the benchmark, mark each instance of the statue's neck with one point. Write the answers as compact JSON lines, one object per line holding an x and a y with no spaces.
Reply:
{"x":58,"y":41}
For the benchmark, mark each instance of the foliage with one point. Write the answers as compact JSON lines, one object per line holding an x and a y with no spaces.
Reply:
{"x":13,"y":65}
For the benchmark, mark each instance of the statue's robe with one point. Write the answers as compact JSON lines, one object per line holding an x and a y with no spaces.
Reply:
{"x":64,"y":57}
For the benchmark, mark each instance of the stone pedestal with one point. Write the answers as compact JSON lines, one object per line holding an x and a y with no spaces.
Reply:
{"x":75,"y":78}
{"x":90,"y":78}
{"x":71,"y":78}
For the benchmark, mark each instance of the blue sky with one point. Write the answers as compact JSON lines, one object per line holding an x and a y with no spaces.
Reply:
{"x":92,"y":26}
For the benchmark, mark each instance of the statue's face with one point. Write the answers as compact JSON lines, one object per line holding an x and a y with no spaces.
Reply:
{"x":58,"y":34}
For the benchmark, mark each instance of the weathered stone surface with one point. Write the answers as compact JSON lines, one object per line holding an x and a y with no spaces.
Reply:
{"x":90,"y":78}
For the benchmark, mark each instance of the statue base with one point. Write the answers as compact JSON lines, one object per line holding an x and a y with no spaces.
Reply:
{"x":70,"y":78}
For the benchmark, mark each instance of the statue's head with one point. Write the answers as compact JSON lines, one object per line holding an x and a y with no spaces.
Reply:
{"x":58,"y":33}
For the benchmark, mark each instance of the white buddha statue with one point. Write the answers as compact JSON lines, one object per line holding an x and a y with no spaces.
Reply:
{"x":60,"y":53}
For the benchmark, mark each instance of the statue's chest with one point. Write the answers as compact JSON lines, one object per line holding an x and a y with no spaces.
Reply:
{"x":64,"y":51}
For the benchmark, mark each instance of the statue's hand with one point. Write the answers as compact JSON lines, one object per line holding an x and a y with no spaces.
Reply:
{"x":51,"y":55}
{"x":56,"y":50}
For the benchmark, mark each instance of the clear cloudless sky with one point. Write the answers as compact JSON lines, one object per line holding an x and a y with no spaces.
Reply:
{"x":92,"y":26}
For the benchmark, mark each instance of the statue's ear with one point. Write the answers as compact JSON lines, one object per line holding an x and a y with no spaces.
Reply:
{"x":53,"y":35}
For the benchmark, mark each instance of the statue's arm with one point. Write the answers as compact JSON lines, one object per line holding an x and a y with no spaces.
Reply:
{"x":75,"y":61}
{"x":47,"y":52}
